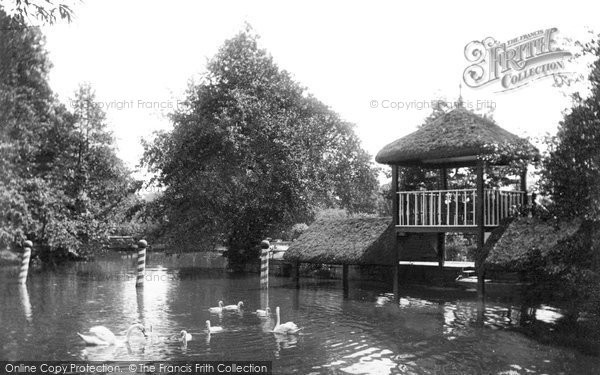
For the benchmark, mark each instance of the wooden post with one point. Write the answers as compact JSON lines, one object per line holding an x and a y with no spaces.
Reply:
{"x":524,"y":186}
{"x":396,"y":273}
{"x":479,"y":261}
{"x":396,"y":214}
{"x":443,"y":179}
{"x":264,"y":264}
{"x":441,"y":237}
{"x":27,"y":245}
{"x":396,"y":198}
{"x":441,"y":243}
{"x":297,"y":275}
{"x":141,"y":263}
{"x":345,"y":279}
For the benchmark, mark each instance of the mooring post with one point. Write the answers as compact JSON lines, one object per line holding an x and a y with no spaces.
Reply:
{"x":141,"y":263}
{"x":264,"y":298}
{"x":27,"y":245}
{"x":264,"y":264}
{"x":139,"y":294}
{"x":297,"y":275}
{"x":345,"y":279}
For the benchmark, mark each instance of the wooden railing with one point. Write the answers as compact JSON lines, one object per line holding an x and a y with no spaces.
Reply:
{"x":438,"y":208}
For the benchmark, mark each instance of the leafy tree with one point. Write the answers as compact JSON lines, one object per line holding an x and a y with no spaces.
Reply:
{"x":571,"y":170}
{"x":94,"y":181}
{"x":28,"y":110}
{"x":60,"y":180}
{"x":252,"y":153}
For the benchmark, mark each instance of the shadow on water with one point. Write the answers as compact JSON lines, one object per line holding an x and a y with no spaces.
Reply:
{"x":430,"y":330}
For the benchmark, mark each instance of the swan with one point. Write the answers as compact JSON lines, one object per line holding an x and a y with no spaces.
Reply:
{"x":211,"y":329}
{"x":217,"y":310}
{"x":237,"y":307}
{"x":100,"y":335}
{"x":285,"y":328}
{"x":264,"y":313}
{"x":185,"y":337}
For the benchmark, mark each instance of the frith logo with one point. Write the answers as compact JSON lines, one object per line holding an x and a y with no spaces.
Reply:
{"x":514,"y":63}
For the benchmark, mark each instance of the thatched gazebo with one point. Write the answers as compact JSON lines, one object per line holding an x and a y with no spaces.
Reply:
{"x":458,"y":138}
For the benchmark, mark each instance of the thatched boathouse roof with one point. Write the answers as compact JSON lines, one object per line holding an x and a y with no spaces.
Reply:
{"x":512,"y":246}
{"x":459,"y":133}
{"x":345,"y":241}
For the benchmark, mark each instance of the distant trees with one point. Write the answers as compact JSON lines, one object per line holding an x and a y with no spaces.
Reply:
{"x":251,"y":152}
{"x":60,"y":178}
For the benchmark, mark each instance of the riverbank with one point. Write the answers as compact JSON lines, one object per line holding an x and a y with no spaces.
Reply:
{"x":9,"y":258}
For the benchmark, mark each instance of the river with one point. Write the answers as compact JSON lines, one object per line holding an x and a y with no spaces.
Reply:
{"x":433,"y":330}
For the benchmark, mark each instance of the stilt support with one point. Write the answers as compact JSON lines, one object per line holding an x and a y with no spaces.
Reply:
{"x":345,"y":279}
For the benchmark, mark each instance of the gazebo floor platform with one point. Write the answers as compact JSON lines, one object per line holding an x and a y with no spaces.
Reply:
{"x":447,"y":264}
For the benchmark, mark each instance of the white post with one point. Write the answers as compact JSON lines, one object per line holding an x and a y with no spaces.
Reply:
{"x":141,"y":263}
{"x":264,"y":264}
{"x":27,"y":245}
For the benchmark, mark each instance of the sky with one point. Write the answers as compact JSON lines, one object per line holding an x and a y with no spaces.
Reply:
{"x":356,"y":57}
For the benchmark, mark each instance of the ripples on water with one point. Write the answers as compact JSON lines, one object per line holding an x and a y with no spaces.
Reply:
{"x":430,"y":331}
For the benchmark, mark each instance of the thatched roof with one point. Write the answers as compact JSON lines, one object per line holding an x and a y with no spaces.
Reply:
{"x":526,"y":237}
{"x":345,"y":241}
{"x":458,"y":133}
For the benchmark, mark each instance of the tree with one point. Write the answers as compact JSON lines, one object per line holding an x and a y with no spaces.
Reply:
{"x":28,"y":110}
{"x":46,"y":11}
{"x":251,"y":152}
{"x":571,"y":170}
{"x":61,"y":181}
{"x":86,"y":169}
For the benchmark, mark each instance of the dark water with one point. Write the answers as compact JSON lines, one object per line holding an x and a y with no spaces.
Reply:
{"x":431,"y":331}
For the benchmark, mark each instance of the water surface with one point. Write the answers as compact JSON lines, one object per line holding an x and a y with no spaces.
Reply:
{"x":431,"y":331}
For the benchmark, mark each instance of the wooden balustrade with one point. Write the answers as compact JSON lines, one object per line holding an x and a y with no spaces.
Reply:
{"x":455,"y":208}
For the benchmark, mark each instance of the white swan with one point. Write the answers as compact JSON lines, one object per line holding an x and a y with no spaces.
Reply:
{"x":264,"y":313}
{"x":185,"y":337}
{"x":237,"y":307}
{"x":216,"y":310}
{"x":212,"y":329}
{"x":100,"y":335}
{"x":285,"y":328}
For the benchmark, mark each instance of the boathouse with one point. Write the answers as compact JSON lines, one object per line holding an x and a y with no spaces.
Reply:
{"x":456,"y":139}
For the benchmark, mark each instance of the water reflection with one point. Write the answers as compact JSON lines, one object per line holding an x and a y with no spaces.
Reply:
{"x":427,"y":331}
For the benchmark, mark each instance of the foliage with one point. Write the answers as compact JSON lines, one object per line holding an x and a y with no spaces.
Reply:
{"x":252,"y":153}
{"x":27,"y":110}
{"x":61,"y":181}
{"x":46,"y":11}
{"x":385,"y":197}
{"x":571,"y":170}
{"x":460,"y":246}
{"x":297,"y":230}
